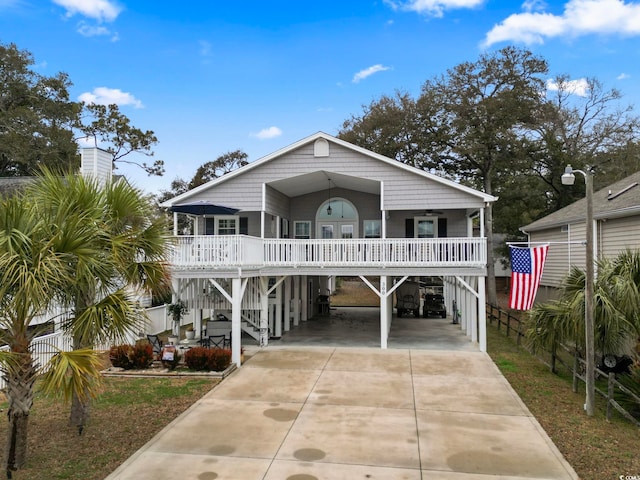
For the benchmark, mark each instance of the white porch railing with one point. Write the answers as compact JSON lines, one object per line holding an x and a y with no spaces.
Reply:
{"x":244,"y":251}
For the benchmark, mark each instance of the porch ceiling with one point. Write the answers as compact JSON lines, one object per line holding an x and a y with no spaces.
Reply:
{"x":319,"y":181}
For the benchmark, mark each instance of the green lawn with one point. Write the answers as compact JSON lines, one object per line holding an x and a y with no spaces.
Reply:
{"x":597,"y":449}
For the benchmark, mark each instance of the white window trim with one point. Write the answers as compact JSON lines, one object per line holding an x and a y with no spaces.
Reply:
{"x":236,"y":219}
{"x":416,"y":221}
{"x":364,"y":227}
{"x":295,"y":227}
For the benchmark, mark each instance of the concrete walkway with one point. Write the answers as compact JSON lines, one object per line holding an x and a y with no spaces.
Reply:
{"x":326,"y":413}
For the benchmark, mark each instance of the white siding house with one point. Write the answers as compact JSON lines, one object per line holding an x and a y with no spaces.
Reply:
{"x":616,"y":224}
{"x":318,"y":209}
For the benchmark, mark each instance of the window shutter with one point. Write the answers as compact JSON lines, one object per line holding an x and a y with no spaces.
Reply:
{"x":409,"y":229}
{"x":244,"y":226}
{"x":442,"y":227}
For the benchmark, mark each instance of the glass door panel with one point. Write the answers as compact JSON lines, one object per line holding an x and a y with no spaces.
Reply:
{"x":326,"y":231}
{"x":346,"y":230}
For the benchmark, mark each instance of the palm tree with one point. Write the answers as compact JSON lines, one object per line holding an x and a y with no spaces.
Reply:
{"x":132,"y":243}
{"x":39,"y":259}
{"x":616,"y":301}
{"x":68,"y":242}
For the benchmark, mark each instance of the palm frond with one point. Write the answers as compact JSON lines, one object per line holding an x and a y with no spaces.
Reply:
{"x":72,"y":372}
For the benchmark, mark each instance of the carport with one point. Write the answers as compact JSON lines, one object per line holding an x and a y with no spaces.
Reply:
{"x":359,"y":327}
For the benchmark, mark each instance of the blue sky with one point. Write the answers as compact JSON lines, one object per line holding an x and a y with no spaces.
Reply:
{"x":212,"y":76}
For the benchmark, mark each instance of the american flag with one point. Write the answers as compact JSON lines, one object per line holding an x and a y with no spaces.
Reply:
{"x":526,"y":270}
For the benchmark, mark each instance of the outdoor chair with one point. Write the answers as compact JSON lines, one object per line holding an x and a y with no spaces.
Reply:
{"x":217,"y":341}
{"x":227,"y":341}
{"x":156,"y":344}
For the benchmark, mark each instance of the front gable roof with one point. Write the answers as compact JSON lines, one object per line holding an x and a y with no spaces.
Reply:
{"x":247,"y":169}
{"x":619,"y":199}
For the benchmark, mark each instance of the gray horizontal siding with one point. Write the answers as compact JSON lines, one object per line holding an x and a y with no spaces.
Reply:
{"x":577,"y":249}
{"x":277,"y":203}
{"x":402,"y":189}
{"x":557,"y":264}
{"x":619,"y":234}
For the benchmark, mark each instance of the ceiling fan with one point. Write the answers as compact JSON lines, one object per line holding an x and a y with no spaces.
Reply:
{"x":430,"y":212}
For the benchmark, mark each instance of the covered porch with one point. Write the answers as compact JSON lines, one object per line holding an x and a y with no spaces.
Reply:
{"x":358,"y":327}
{"x":282,"y":308}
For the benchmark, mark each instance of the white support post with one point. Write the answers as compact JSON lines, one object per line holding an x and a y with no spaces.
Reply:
{"x":467,"y":310}
{"x":482,"y":315}
{"x":264,"y":311}
{"x":236,"y":319}
{"x":277,"y":332}
{"x":287,"y":304}
{"x":384,"y":312}
{"x":471,"y":306}
{"x":473,"y":309}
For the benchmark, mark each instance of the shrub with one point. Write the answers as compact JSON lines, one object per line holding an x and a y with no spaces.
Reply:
{"x":141,"y":355}
{"x":219,"y":359}
{"x":211,"y":359}
{"x":197,"y":358}
{"x":119,"y":356}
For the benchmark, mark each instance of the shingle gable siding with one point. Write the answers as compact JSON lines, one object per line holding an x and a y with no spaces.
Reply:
{"x":401,"y":188}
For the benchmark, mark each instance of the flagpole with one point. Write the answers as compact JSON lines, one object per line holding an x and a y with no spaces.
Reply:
{"x":568,"y":178}
{"x":588,"y":300}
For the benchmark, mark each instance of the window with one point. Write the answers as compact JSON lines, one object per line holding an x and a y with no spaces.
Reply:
{"x":226,"y":225}
{"x":372,"y":229}
{"x":302,"y":229}
{"x":346,"y":231}
{"x":426,"y":227}
{"x":340,"y":210}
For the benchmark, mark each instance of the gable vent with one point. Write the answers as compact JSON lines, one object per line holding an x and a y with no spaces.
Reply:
{"x":321,"y":148}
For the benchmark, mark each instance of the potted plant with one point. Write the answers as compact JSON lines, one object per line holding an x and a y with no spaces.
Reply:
{"x":177,"y":310}
{"x":190,"y":333}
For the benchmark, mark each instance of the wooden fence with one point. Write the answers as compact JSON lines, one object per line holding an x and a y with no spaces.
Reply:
{"x":504,"y":320}
{"x":512,"y":326}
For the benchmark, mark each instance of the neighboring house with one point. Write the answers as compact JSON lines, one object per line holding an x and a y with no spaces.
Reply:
{"x":270,"y":236}
{"x":11,"y":185}
{"x":616,"y":227}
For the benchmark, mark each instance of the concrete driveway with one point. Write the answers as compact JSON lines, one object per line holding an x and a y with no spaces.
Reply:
{"x":326,"y":413}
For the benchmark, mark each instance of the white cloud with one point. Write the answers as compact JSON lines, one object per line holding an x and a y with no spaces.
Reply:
{"x":267,"y":133}
{"x":580,"y":17}
{"x":623,"y":76}
{"x":100,"y":10}
{"x":367,"y":72}
{"x":578,"y":87}
{"x":95,"y":31}
{"x":108,"y":96}
{"x":533,"y":5}
{"x":434,"y":8}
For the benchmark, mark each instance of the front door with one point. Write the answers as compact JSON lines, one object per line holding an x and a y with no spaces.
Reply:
{"x":329,"y":230}
{"x":337,"y":218}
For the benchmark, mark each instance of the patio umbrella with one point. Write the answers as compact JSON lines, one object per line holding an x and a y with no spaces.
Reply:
{"x":203,"y":208}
